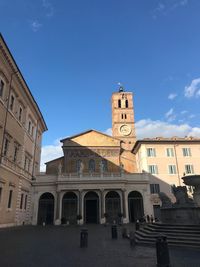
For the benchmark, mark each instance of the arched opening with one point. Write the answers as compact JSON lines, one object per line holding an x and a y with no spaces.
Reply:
{"x":91,"y":207}
{"x":69,"y":208}
{"x":46,"y":209}
{"x":112,"y":206}
{"x":105,"y":165}
{"x":91,"y":166}
{"x":126,"y":103}
{"x":119,"y":103}
{"x":135,"y":206}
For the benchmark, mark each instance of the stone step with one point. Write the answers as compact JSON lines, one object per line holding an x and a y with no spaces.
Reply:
{"x":169,"y":236}
{"x":171,"y":233}
{"x":177,"y":231}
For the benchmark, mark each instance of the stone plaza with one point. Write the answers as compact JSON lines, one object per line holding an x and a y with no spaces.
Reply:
{"x":60,"y":246}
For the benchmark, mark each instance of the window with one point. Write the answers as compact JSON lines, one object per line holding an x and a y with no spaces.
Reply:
{"x":27,"y":164}
{"x":12,"y":101}
{"x":91,"y":165}
{"x":6,"y":145}
{"x":105,"y":165}
{"x":25,"y":202}
{"x":119,"y":103}
{"x":170,"y":152}
{"x":0,"y":193}
{"x":153,"y":169}
{"x":187,"y":152}
{"x":10,"y":199}
{"x":125,"y":116}
{"x":122,"y":116}
{"x":78,"y":165}
{"x":20,"y":114}
{"x":126,"y":103}
{"x":172,"y":169}
{"x":29,"y":127}
{"x":16,"y":148}
{"x":154,"y":188}
{"x":189,"y":169}
{"x":1,"y":88}
{"x":21,"y":201}
{"x":151,"y":152}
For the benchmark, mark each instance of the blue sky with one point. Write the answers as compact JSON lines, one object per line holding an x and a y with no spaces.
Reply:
{"x":73,"y":53}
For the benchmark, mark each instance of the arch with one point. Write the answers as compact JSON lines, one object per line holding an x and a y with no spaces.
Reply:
{"x":91,"y":207}
{"x":112,"y":206}
{"x":126,"y":103}
{"x":91,"y":166}
{"x":46,"y":208}
{"x":69,"y":208}
{"x":119,"y":103}
{"x":135,"y":206}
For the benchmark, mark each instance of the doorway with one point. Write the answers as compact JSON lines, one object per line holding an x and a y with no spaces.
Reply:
{"x":91,"y":202}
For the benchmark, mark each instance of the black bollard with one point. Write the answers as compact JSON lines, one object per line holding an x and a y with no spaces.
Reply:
{"x":137,"y":225}
{"x":162,"y":252}
{"x":114,"y":231}
{"x":84,"y":238}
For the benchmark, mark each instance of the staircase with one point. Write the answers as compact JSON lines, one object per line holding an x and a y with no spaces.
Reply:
{"x":177,"y":235}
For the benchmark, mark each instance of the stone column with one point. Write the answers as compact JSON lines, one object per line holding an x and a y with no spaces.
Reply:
{"x":80,"y":205}
{"x":125,"y":206}
{"x":58,"y":209}
{"x":102,"y":207}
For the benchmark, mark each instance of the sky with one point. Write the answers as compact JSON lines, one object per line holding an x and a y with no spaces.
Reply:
{"x":73,"y":54}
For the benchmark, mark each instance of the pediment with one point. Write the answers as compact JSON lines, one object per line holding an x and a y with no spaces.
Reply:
{"x":91,"y":138}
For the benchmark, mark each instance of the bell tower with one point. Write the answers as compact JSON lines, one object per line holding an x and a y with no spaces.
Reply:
{"x":123,"y":126}
{"x":123,"y":118}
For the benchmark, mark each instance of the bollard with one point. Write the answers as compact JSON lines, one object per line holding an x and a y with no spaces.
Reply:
{"x":132,"y":239}
{"x":84,"y":238}
{"x":114,"y":231}
{"x":162,"y":252}
{"x":124,"y":233}
{"x":137,"y":225}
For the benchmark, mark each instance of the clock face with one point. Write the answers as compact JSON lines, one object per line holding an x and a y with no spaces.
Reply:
{"x":125,"y":129}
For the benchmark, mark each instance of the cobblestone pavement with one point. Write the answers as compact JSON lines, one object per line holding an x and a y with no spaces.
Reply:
{"x":30,"y":246}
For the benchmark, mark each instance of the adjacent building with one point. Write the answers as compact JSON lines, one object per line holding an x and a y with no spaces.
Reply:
{"x":21,"y":129}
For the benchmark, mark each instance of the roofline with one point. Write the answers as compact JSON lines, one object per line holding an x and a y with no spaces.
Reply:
{"x":53,"y":160}
{"x":19,"y":71}
{"x":138,"y":143}
{"x":87,"y":131}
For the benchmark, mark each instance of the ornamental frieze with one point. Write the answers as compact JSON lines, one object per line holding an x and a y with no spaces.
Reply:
{"x":104,"y":153}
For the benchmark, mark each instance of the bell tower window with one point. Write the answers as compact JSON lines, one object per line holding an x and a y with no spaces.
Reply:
{"x":126,"y":103}
{"x":119,"y":103}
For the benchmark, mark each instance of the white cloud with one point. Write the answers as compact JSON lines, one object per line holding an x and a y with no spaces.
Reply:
{"x":48,"y":7}
{"x":35,"y":25}
{"x":108,"y":131}
{"x":148,"y":128}
{"x":50,"y":152}
{"x":193,"y":90}
{"x":183,"y":112}
{"x":170,"y":115}
{"x":172,"y":96}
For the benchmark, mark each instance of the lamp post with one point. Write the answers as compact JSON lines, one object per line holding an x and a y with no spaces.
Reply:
{"x":179,"y":180}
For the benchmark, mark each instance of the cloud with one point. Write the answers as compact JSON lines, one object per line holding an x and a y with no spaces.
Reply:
{"x":108,"y":131}
{"x":50,"y":152}
{"x":149,"y":128}
{"x":165,"y":7}
{"x":183,"y":112}
{"x":170,"y":115}
{"x":193,"y":90}
{"x":35,"y":25}
{"x":172,"y":96}
{"x":48,"y":7}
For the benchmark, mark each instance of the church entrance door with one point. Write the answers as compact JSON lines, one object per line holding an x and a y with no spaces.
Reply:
{"x":113,"y":206}
{"x":46,"y":209}
{"x":69,"y":208}
{"x":135,"y":206}
{"x":91,"y":202}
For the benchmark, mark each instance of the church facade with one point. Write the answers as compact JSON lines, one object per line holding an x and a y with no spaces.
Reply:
{"x":96,"y":180}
